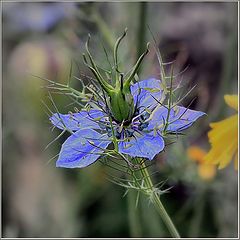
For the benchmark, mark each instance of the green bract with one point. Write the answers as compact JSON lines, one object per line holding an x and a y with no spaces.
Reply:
{"x":120,"y":99}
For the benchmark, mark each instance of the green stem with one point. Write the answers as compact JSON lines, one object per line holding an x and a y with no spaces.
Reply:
{"x":141,"y":30}
{"x":158,"y":204}
{"x":133,"y":215}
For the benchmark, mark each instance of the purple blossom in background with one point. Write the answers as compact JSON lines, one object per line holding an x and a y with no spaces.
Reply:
{"x":36,"y":16}
{"x":92,"y":131}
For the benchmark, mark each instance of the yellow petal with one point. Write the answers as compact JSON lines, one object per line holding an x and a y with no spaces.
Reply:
{"x":227,"y":155}
{"x":232,"y":101}
{"x":224,"y":140}
{"x":224,"y":131}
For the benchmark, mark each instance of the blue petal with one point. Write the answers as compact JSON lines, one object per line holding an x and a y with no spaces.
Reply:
{"x":82,"y":148}
{"x":144,"y":92}
{"x":75,"y":121}
{"x":146,"y":146}
{"x":180,"y":118}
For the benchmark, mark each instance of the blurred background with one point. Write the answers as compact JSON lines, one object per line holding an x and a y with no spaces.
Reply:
{"x":40,"y":200}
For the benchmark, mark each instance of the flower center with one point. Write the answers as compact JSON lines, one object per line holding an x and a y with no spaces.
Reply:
{"x":126,"y":131}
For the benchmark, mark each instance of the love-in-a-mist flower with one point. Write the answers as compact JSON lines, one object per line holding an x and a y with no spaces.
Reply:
{"x":131,"y":116}
{"x":224,"y":138}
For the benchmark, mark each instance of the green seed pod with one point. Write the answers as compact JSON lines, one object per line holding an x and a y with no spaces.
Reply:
{"x":121,"y":104}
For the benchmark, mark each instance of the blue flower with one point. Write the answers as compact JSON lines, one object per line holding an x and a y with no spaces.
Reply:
{"x":92,"y":131}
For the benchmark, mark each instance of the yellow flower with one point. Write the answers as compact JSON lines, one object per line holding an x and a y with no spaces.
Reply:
{"x":224,"y":138}
{"x":205,"y":171}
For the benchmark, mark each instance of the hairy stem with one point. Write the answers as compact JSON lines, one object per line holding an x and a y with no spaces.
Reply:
{"x":158,"y":204}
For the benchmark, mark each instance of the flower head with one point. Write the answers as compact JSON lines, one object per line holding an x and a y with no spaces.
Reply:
{"x":131,"y":116}
{"x":224,"y":138}
{"x":142,"y":136}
